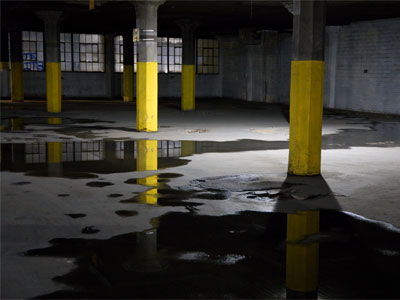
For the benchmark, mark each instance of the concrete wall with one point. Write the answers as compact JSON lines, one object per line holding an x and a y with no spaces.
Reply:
{"x":362,"y":71}
{"x":362,"y":66}
{"x":368,"y":67}
{"x":249,"y":71}
{"x":100,"y":85}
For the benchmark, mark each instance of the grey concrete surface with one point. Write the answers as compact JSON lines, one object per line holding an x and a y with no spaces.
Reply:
{"x":241,"y":149}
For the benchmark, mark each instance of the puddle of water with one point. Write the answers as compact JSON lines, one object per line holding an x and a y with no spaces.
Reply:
{"x":248,"y":255}
{"x":18,"y":123}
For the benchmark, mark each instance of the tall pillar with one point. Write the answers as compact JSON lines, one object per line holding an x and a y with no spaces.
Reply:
{"x":147,"y":160}
{"x":109,"y":63}
{"x":306,"y":87}
{"x":52,"y":53}
{"x":147,"y":72}
{"x":128,"y":66}
{"x":188,"y":28}
{"x":4,"y":64}
{"x":302,"y":259}
{"x":17,"y":75}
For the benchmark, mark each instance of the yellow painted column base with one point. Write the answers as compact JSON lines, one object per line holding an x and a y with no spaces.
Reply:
{"x":147,"y":96}
{"x":17,"y":82}
{"x":4,"y":66}
{"x":188,"y":87}
{"x":54,"y":152}
{"x":53,"y":86}
{"x":128,"y":83}
{"x":302,"y":259}
{"x":306,"y":105}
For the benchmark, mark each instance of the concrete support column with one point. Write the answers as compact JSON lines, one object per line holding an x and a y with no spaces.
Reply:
{"x":17,"y":75}
{"x":147,"y":71}
{"x":302,"y":259}
{"x":128,"y":66}
{"x":188,"y":28}
{"x":306,"y":87}
{"x":109,"y":64}
{"x":4,"y":64}
{"x":52,"y":53}
{"x":269,"y":41}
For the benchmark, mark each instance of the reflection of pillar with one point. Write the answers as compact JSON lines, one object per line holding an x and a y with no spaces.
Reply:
{"x":127,"y":80}
{"x":53,"y":67}
{"x":4,"y":64}
{"x":302,"y":258}
{"x":306,"y":88}
{"x":17,"y":124}
{"x":188,"y":148}
{"x":17,"y":76}
{"x":147,"y":161}
{"x":18,"y":157}
{"x":146,"y":257}
{"x":147,"y":73}
{"x":54,"y":121}
{"x":110,"y":150}
{"x":54,"y":158}
{"x":188,"y":63}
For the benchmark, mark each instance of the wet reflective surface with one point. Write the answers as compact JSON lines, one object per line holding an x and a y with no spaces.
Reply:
{"x":295,"y":251}
{"x":186,"y":255}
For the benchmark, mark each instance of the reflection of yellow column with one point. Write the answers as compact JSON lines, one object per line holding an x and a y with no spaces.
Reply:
{"x":17,"y":124}
{"x":147,"y":161}
{"x":54,"y":121}
{"x":302,"y":258}
{"x":54,"y":152}
{"x":54,"y":158}
{"x":188,"y":148}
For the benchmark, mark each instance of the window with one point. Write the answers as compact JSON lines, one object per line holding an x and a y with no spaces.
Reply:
{"x":82,"y":52}
{"x":162,"y":54}
{"x":119,"y":54}
{"x":175,"y":55}
{"x":207,"y":56}
{"x":66,"y":51}
{"x":32,"y":50}
{"x":169,"y":55}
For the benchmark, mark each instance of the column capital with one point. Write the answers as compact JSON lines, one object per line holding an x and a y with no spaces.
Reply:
{"x":49,"y":16}
{"x":188,"y":25}
{"x":148,"y":3}
{"x":288,"y":4}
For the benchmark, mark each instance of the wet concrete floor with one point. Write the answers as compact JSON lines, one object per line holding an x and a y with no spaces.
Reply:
{"x":85,"y":216}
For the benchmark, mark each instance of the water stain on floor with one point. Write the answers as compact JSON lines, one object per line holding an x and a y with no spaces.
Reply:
{"x":126,"y":213}
{"x":76,"y":216}
{"x":99,"y":183}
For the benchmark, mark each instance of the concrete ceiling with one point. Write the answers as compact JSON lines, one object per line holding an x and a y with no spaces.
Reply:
{"x":216,"y":16}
